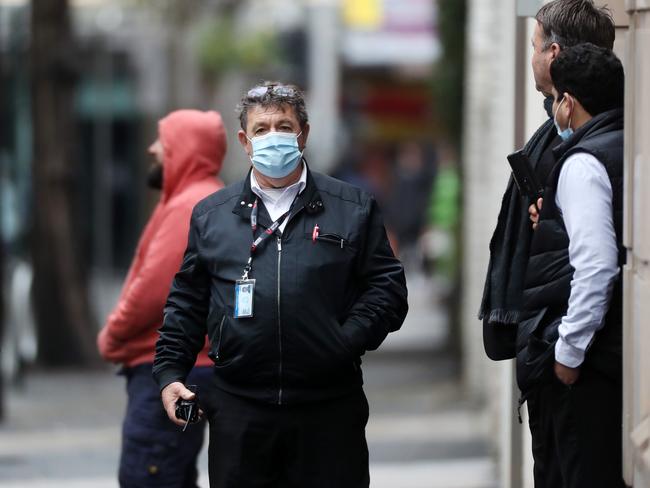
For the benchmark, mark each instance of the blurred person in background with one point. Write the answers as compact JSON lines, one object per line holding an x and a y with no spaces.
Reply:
{"x":291,"y":275}
{"x":573,"y":296}
{"x":409,"y":200}
{"x":443,"y":214}
{"x":187,"y":157}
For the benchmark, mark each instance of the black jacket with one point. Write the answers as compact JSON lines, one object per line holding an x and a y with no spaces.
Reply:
{"x":549,"y":273}
{"x":318,"y":306}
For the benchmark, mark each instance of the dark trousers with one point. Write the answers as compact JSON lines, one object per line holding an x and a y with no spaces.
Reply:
{"x":155,"y":453}
{"x":576,"y":430}
{"x":319,"y":445}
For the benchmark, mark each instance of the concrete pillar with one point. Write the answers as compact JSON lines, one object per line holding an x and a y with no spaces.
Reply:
{"x":324,"y":80}
{"x":489,"y":135}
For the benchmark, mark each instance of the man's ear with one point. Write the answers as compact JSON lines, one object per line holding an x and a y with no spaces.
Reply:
{"x":243,"y":140}
{"x":302,"y":140}
{"x":570,"y":102}
{"x":554,"y":50}
{"x":572,"y":106}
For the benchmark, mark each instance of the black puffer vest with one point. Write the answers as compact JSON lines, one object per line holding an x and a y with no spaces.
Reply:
{"x":549,"y":272}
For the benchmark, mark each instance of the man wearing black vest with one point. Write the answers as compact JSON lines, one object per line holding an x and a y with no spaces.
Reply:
{"x":569,"y":369}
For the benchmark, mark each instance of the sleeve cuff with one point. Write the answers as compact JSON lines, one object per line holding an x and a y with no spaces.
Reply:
{"x":568,"y":355}
{"x":164,"y":378}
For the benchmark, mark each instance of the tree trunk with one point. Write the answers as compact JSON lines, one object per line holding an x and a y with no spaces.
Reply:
{"x":66,"y":335}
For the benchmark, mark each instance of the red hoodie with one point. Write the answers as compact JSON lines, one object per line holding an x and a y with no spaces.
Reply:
{"x":194,"y":146}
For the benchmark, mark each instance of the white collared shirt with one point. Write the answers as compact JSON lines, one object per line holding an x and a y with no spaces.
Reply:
{"x":278,"y":200}
{"x":584,"y":197}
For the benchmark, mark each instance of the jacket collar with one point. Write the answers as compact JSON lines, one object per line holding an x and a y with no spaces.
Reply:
{"x":309,"y":199}
{"x":603,"y":122}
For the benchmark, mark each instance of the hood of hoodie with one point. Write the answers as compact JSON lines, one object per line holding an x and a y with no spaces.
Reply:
{"x":194,"y":145}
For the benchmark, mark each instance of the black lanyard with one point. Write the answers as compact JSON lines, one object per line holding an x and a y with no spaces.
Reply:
{"x":264,"y":235}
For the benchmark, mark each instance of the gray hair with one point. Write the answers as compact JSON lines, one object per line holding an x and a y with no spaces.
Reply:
{"x":273,"y":94}
{"x":572,"y":22}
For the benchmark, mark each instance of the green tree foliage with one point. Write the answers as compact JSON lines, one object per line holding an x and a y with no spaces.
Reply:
{"x":448,"y":81}
{"x":222,"y":47}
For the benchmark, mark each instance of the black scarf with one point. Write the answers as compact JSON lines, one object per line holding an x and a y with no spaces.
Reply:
{"x":510,"y":243}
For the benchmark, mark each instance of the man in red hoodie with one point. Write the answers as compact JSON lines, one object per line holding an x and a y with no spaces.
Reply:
{"x":188,"y":156}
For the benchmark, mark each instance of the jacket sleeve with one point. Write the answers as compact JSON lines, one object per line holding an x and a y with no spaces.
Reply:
{"x":140,"y":307}
{"x":182,"y":335}
{"x":382,"y":303}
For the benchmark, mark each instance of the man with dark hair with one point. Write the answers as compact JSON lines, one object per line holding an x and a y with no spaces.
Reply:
{"x":596,"y":86}
{"x":570,"y":367}
{"x":559,"y":23}
{"x":291,"y":275}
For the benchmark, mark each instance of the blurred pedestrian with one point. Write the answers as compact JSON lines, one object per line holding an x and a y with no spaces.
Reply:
{"x":187,"y":157}
{"x":409,"y":200}
{"x":570,"y":370}
{"x":291,"y":275}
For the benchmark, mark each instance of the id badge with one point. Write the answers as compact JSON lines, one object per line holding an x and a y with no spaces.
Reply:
{"x":244,"y":292}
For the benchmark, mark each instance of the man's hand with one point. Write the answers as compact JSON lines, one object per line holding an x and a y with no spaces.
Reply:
{"x":566,"y":375}
{"x":110,"y":349}
{"x":170,"y":394}
{"x":533,"y":212}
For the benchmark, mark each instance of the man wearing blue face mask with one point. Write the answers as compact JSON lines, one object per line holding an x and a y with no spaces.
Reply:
{"x":573,"y":286}
{"x":290,"y":274}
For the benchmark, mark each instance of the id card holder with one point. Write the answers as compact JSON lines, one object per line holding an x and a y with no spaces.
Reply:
{"x":244,"y":294}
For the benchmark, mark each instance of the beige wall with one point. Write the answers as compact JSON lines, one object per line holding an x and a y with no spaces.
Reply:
{"x":636,"y":433}
{"x":488,"y":137}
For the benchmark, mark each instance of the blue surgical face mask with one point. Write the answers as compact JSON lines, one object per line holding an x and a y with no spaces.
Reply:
{"x":566,"y":133}
{"x":276,"y":154}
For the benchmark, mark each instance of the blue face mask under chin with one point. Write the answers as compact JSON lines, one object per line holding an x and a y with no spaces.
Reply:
{"x":276,"y":154}
{"x":566,"y":133}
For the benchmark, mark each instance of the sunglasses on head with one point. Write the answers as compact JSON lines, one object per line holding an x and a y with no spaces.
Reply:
{"x":279,"y":90}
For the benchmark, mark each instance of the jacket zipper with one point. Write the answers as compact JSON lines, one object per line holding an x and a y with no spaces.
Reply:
{"x":279,"y":313}
{"x":279,"y":322}
{"x":216,"y":356}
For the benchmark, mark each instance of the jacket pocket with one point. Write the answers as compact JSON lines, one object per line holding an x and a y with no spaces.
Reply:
{"x":215,"y":350}
{"x":320,"y":353}
{"x":535,"y":361}
{"x":330,"y":238}
{"x":333,"y":239}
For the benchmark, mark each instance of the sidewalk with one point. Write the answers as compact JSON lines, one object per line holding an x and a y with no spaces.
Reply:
{"x":63,"y":428}
{"x":422,"y":432}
